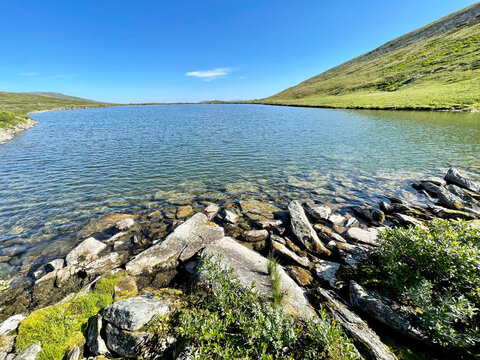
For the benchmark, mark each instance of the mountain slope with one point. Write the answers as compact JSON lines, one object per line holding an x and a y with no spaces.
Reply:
{"x":434,"y":67}
{"x":59,"y":96}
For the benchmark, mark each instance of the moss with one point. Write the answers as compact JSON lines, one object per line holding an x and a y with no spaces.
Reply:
{"x":61,"y":327}
{"x":4,"y":284}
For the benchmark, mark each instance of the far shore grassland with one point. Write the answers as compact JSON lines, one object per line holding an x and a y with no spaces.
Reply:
{"x":15,"y":107}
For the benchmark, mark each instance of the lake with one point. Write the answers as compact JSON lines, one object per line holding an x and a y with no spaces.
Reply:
{"x":76,"y":165}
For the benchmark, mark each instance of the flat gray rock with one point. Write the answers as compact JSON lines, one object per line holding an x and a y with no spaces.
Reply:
{"x":303,"y":230}
{"x":250,"y":266}
{"x":133,"y":313}
{"x":85,"y":252}
{"x":368,"y":237}
{"x":184,"y":242}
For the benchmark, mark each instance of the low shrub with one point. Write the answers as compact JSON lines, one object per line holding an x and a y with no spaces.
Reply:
{"x":7,"y":119}
{"x":436,"y":270}
{"x":225,"y":320}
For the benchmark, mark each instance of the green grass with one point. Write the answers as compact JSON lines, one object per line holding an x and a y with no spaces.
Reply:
{"x":14,"y":107}
{"x":61,"y":327}
{"x":440,"y":71}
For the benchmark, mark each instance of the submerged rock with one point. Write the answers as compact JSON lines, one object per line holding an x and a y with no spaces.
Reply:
{"x":184,"y":242}
{"x":355,"y":328}
{"x":257,"y":210}
{"x":103,"y":223}
{"x":250,"y":266}
{"x":303,"y":230}
{"x":184,"y":211}
{"x":454,"y":177}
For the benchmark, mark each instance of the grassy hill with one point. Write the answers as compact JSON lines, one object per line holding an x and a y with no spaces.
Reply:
{"x":434,"y":67}
{"x":14,"y":107}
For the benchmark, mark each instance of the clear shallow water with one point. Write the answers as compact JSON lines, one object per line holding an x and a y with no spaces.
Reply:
{"x":78,"y":164}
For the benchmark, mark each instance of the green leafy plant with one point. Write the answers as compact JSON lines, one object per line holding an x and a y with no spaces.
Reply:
{"x":436,"y":270}
{"x":226,"y":320}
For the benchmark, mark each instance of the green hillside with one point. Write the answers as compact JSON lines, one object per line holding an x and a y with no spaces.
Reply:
{"x":434,"y":67}
{"x":14,"y":107}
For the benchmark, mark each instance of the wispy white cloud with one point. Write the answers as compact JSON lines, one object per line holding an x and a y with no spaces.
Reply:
{"x":29,"y":74}
{"x":209,"y":75}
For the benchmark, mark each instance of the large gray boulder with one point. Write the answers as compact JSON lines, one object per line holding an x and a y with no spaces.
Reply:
{"x":374,"y":308}
{"x":250,"y":266}
{"x":449,"y":199}
{"x":303,"y":230}
{"x":184,"y":242}
{"x":85,"y":252}
{"x":365,"y":338}
{"x":454,"y":177}
{"x":134,"y":313}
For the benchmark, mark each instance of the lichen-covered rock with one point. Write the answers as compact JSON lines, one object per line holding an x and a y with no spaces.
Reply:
{"x":255,"y":235}
{"x":125,"y":343}
{"x":281,"y":250}
{"x":355,"y":328}
{"x":184,"y":242}
{"x":56,"y":264}
{"x":369,"y":214}
{"x":133,"y":313}
{"x":303,"y":230}
{"x":126,"y":287}
{"x":105,"y":263}
{"x":250,"y":266}
{"x":300,"y":275}
{"x":230,"y":216}
{"x":85,"y":252}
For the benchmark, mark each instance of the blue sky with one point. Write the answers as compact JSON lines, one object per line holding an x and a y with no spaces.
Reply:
{"x":142,"y":51}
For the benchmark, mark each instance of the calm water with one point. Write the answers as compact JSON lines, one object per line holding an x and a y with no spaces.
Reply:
{"x":79,"y":164}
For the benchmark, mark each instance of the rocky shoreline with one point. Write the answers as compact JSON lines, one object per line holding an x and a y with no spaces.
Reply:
{"x":9,"y":133}
{"x":316,"y":247}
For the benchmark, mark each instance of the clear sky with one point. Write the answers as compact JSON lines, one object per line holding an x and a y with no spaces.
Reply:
{"x":165,"y":50}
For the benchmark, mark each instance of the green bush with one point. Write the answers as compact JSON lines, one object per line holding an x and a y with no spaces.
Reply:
{"x":436,"y":270}
{"x":228,"y":321}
